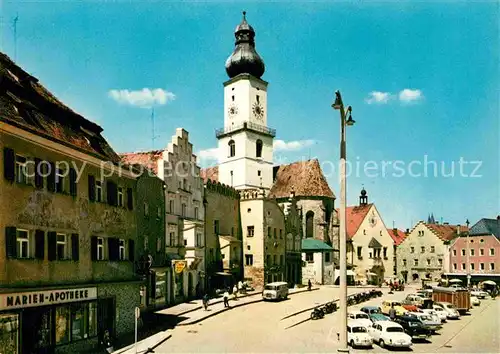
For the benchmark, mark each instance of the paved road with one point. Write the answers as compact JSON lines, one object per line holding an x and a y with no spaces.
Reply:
{"x":260,"y":328}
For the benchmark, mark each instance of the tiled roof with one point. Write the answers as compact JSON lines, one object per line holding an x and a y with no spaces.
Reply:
{"x":148,"y":159}
{"x":26,"y":104}
{"x":446,"y":232}
{"x":305,"y":177}
{"x":210,"y":173}
{"x":311,"y":244}
{"x":355,"y":216}
{"x":398,"y":236}
{"x":486,"y":227}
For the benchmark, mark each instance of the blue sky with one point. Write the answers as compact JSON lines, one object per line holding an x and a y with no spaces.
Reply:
{"x":423,"y":80}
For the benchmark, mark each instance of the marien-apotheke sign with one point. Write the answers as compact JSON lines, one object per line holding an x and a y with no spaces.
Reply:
{"x":44,"y":298}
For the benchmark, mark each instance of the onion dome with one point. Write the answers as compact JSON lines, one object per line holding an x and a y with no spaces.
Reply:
{"x":363,"y":192}
{"x":244,"y":59}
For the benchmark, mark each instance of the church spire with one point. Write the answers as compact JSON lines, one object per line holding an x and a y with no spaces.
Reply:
{"x":245,"y":59}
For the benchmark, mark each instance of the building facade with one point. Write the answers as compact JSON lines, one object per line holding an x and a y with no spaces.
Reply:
{"x":397,"y":236}
{"x":318,"y":266}
{"x":424,"y":253}
{"x":67,"y":246}
{"x":483,"y":247}
{"x":293,"y":247}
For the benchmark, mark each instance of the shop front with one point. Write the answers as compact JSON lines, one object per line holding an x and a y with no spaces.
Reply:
{"x":40,"y":321}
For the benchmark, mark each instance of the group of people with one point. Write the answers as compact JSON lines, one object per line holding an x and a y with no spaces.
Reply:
{"x":237,"y":288}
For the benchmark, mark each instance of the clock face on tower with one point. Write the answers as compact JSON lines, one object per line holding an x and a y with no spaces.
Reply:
{"x":232,"y":110}
{"x":258,"y":111}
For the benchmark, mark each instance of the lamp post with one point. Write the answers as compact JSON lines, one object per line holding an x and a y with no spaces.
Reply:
{"x":339,"y":105}
{"x":468,"y":254}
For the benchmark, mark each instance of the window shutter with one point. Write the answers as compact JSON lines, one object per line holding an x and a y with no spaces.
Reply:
{"x":75,"y":247}
{"x":51,"y":178}
{"x":40,"y":244}
{"x":130,"y":199}
{"x":11,"y":241}
{"x":113,"y":249}
{"x":93,"y":247}
{"x":92,"y":189}
{"x":38,"y":173}
{"x":131,"y":251}
{"x":72,"y":182}
{"x":111,"y":191}
{"x":52,"y":243}
{"x":9,"y":164}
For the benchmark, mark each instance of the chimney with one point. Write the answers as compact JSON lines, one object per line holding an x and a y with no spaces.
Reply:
{"x":407,"y":231}
{"x":395,"y":231}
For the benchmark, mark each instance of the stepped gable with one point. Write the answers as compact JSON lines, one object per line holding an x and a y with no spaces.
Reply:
{"x":28,"y":105}
{"x":397,"y":236}
{"x":210,"y":174}
{"x":355,"y":216}
{"x":147,"y":159}
{"x":305,"y":177}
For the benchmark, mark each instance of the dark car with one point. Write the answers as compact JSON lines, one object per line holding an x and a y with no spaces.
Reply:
{"x":378,"y":317}
{"x":414,"y":327}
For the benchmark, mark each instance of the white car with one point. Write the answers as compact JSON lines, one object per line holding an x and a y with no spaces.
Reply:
{"x":475,"y":301}
{"x":433,"y":314}
{"x":451,"y":310}
{"x":357,"y":335}
{"x":360,"y":317}
{"x":479,"y":294}
{"x":438,"y":311}
{"x":389,"y":333}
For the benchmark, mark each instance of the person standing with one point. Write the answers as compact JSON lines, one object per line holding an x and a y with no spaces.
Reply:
{"x":235,"y":292}
{"x":309,"y":285}
{"x":205,"y":301}
{"x":226,"y":298}
{"x":392,"y":313}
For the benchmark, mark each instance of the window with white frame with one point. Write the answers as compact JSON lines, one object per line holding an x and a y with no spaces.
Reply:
{"x":492,"y":251}
{"x":60,"y":176}
{"x":21,"y":171}
{"x":481,"y":251}
{"x":309,"y":257}
{"x":98,"y":191}
{"x":454,"y":252}
{"x":463,"y":251}
{"x":481,"y":266}
{"x":61,"y":247}
{"x":121,"y":250}
{"x":454,"y":266}
{"x":23,"y":244}
{"x":120,"y":196}
{"x":472,"y":266}
{"x":463,"y":266}
{"x":492,"y":266}
{"x":100,"y":248}
{"x":199,"y":242}
{"x":472,"y":252}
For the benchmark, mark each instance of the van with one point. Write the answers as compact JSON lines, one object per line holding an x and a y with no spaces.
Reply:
{"x":275,"y":291}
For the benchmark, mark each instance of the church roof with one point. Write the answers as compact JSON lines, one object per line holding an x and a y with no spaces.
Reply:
{"x":374,"y":243}
{"x":28,"y":105}
{"x":398,"y":236}
{"x":148,"y":159}
{"x":486,"y":227}
{"x":210,"y":173}
{"x":355,"y":216}
{"x":305,"y":177}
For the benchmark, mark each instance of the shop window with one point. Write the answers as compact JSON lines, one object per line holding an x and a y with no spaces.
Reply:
{"x":62,"y":325}
{"x":100,"y":248}
{"x":98,"y":191}
{"x":61,"y":247}
{"x":120,"y":196}
{"x":9,"y":332}
{"x":121,"y":250}
{"x":23,"y":244}
{"x":250,"y":231}
{"x":310,"y":257}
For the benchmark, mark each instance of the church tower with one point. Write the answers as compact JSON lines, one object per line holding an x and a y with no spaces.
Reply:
{"x":245,"y":141}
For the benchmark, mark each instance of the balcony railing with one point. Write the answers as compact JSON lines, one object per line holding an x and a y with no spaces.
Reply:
{"x":245,"y":125}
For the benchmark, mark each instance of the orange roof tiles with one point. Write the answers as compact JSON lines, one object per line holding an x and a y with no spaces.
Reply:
{"x":355,"y":216}
{"x":446,"y":232}
{"x":210,"y":173}
{"x":398,"y":236}
{"x":148,"y":159}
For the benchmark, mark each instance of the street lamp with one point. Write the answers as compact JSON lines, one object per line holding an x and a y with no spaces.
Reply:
{"x":468,"y":254}
{"x":339,"y":105}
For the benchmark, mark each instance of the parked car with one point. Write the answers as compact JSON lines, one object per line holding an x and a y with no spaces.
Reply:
{"x":475,"y":301}
{"x":414,"y":327}
{"x":359,"y":316}
{"x":434,"y":324}
{"x":389,"y":333}
{"x":357,"y":334}
{"x":275,"y":291}
{"x":386,"y":306}
{"x":451,"y":310}
{"x":438,"y":316}
{"x":414,"y":299}
{"x":371,"y":309}
{"x":375,"y":317}
{"x":480,"y":294}
{"x":442,"y":313}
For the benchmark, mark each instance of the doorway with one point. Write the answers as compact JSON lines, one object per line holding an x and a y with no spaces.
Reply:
{"x":106,"y":317}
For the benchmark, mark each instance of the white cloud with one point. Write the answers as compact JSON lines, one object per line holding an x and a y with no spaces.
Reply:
{"x":408,"y":95}
{"x":209,"y":154}
{"x":378,"y":97}
{"x":281,"y":145}
{"x":144,"y":98}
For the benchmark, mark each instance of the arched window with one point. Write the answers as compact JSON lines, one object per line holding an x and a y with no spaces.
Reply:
{"x":232,"y":148}
{"x":310,"y":224}
{"x":258,"y":150}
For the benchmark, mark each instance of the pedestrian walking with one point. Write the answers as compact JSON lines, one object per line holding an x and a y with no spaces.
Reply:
{"x":392,"y":313}
{"x":205,"y":301}
{"x":309,"y":285}
{"x":226,"y":298}
{"x":235,"y":292}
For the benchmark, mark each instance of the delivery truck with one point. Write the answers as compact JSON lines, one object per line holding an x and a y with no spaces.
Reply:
{"x":459,"y":297}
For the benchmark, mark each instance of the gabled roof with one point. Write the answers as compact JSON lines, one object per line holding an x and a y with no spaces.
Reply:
{"x":446,"y":232}
{"x":304,"y":177}
{"x":28,"y":105}
{"x":486,"y":227}
{"x":355,"y":216}
{"x":147,"y":159}
{"x":398,"y":236}
{"x":374,"y":243}
{"x":311,"y":244}
{"x":210,"y":173}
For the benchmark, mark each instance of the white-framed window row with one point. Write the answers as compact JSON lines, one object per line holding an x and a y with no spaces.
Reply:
{"x":24,"y":244}
{"x":100,"y":248}
{"x":121,"y":249}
